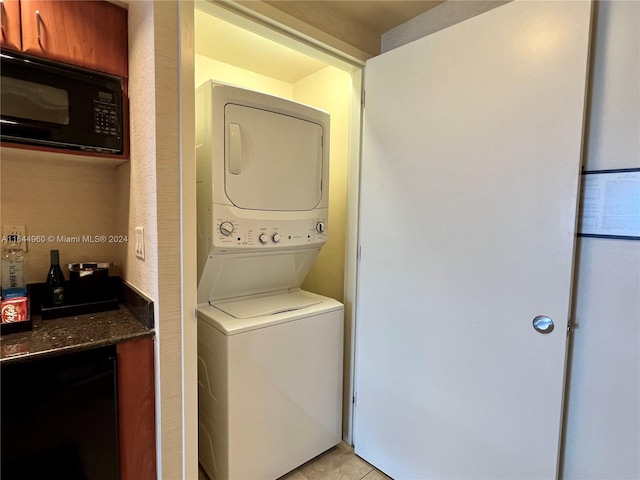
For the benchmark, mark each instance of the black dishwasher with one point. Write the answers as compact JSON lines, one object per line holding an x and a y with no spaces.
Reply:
{"x":59,"y":417}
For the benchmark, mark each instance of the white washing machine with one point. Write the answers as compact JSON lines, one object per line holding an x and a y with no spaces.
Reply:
{"x":269,"y":354}
{"x":270,"y":385}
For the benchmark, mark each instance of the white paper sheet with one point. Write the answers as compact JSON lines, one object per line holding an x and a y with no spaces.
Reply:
{"x":610,"y":204}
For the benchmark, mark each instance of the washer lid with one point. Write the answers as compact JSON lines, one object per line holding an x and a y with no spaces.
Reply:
{"x":229,"y":325}
{"x":267,"y":305}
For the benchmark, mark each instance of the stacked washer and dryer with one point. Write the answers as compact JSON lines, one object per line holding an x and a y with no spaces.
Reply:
{"x":269,"y":353}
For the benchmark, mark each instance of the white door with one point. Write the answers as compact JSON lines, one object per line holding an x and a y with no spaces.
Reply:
{"x":471,"y":159}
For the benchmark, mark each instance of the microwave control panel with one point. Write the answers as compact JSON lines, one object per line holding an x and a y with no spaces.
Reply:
{"x":105,"y":115}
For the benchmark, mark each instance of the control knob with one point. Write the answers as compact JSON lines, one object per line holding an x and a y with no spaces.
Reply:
{"x":226,"y":228}
{"x":275,"y":238}
{"x":263,"y":238}
{"x":320,"y":227}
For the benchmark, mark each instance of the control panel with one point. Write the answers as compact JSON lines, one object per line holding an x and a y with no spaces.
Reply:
{"x":105,"y":118}
{"x":238,"y":234}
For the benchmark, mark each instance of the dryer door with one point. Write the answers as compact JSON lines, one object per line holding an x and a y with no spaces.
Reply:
{"x":272,"y":161}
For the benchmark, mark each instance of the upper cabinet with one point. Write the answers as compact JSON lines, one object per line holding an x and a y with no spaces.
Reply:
{"x":10,"y":12}
{"x":90,"y":34}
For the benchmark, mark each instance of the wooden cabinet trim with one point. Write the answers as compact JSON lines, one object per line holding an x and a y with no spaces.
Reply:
{"x":11,"y":29}
{"x":136,"y":409}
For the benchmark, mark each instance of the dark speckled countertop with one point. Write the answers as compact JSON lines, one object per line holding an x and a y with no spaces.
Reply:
{"x":65,"y":335}
{"x":133,"y":319}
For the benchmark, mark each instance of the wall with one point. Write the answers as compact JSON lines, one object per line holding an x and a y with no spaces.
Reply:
{"x":68,"y":196}
{"x":330,"y":90}
{"x":189,"y":241}
{"x":603,"y":411}
{"x":438,"y":18}
{"x":142,"y":169}
{"x":208,"y":69}
{"x":155,"y":203}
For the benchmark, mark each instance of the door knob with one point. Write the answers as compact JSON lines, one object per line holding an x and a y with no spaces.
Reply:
{"x":543,"y":324}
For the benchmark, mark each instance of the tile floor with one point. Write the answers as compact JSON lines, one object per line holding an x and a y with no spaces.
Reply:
{"x":338,"y":463}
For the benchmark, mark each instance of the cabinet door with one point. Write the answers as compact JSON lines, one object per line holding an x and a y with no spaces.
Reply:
{"x":91,"y":34}
{"x":10,"y":24}
{"x":136,"y":409}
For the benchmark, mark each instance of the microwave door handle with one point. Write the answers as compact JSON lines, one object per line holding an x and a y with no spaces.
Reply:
{"x":235,"y":149}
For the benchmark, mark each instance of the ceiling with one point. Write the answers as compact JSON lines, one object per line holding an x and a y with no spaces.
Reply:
{"x":350,"y":24}
{"x":359,"y":23}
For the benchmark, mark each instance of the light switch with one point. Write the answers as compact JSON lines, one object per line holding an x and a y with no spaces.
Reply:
{"x":140,"y":242}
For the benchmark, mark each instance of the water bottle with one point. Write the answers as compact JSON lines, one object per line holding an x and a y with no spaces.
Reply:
{"x":13,"y":271}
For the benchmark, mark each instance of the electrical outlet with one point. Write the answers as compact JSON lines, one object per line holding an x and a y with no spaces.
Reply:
{"x":18,"y":230}
{"x":140,"y":242}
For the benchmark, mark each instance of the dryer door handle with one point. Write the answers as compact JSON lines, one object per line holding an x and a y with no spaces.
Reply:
{"x":235,"y":149}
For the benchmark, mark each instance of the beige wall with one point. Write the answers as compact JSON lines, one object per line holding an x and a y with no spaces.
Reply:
{"x":330,"y":90}
{"x":142,"y":190}
{"x":55,"y":196}
{"x":209,"y":69}
{"x":155,"y":204}
{"x":434,"y":20}
{"x":602,"y":438}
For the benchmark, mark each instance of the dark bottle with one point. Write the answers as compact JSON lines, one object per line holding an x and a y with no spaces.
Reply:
{"x":55,"y":280}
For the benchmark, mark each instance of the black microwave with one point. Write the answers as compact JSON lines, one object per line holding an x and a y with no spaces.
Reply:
{"x":50,"y":104}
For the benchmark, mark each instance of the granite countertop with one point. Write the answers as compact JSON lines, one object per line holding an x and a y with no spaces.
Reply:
{"x":132,"y":319}
{"x":65,"y":335}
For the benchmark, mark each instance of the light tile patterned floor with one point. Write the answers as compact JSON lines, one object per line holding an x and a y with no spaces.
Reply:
{"x":338,"y":463}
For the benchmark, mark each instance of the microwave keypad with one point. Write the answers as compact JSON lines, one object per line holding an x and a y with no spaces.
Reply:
{"x":105,"y":118}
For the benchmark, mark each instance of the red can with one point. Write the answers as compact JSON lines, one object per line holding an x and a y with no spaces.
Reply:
{"x":14,"y":310}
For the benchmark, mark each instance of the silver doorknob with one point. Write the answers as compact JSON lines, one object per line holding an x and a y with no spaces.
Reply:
{"x":543,"y":324}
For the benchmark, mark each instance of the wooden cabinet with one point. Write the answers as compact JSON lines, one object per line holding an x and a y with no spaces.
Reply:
{"x":90,"y":34}
{"x":11,"y":36}
{"x":136,"y":405}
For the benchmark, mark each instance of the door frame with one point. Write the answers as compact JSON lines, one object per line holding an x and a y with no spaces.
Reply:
{"x":270,"y":28}
{"x":267,"y":24}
